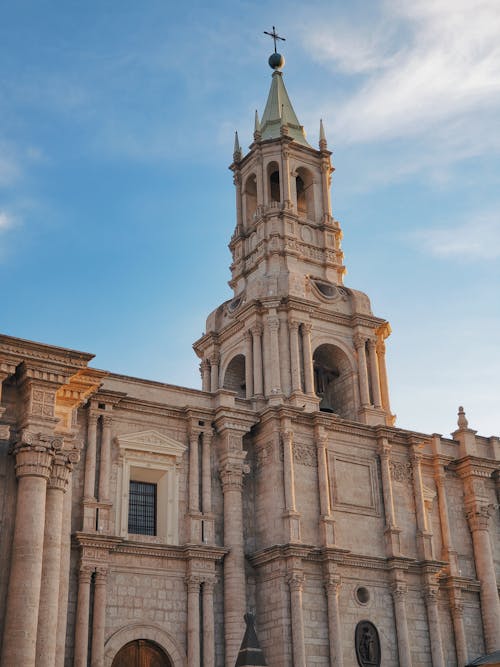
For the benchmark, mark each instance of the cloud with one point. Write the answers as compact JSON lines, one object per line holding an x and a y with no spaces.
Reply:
{"x":6,"y":221}
{"x":424,"y":64}
{"x":477,"y":238}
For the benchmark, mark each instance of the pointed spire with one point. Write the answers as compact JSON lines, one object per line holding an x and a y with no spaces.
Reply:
{"x":323,"y":145}
{"x":271,"y":122}
{"x":257,"y":132}
{"x":237,"y":154}
{"x":462,"y":420}
{"x":284,"y":122}
{"x":250,"y":653}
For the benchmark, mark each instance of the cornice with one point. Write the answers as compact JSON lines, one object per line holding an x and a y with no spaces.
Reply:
{"x":19,"y":349}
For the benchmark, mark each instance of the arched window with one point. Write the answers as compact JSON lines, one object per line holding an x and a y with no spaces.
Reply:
{"x":304,"y":188}
{"x":250,"y":194}
{"x":234,"y":377}
{"x":274,"y":182}
{"x":141,"y":653}
{"x":333,"y":381}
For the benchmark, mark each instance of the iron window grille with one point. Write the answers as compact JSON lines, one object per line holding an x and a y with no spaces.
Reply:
{"x":142,"y":508}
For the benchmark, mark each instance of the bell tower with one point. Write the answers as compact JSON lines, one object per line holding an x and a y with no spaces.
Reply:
{"x":292,"y":333}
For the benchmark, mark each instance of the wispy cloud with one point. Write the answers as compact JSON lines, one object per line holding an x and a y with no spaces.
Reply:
{"x":476,"y":238}
{"x":6,"y":221}
{"x":424,"y":64}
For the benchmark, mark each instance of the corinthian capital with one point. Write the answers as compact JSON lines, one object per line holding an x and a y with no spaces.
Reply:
{"x":359,"y":341}
{"x":296,"y":581}
{"x":231,"y":475}
{"x":478,"y":517}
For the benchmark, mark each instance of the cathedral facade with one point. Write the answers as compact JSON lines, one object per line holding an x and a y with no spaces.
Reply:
{"x":140,"y":521}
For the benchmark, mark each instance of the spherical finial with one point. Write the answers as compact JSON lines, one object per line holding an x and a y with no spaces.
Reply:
{"x":276,"y":61}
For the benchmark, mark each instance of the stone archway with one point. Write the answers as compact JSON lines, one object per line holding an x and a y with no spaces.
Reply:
{"x":333,"y":381}
{"x":153,"y":634}
{"x":141,"y":653}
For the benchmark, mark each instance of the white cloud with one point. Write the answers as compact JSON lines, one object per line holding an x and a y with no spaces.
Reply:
{"x":6,"y":221}
{"x":477,"y":238}
{"x":425,"y":63}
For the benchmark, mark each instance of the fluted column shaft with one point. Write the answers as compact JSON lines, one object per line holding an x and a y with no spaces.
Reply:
{"x":384,"y":384}
{"x":214,"y":372}
{"x":289,"y":479}
{"x":273,"y":326}
{"x":478,"y":519}
{"x":324,"y":490}
{"x":295,"y":356}
{"x":205,"y":375}
{"x":385,"y":466}
{"x":399,"y":594}
{"x":208,"y":624}
{"x":434,"y":628}
{"x":105,"y":465}
{"x":99,"y":618}
{"x":82,"y":618}
{"x":364,"y":390}
{"x":248,"y":365}
{"x":51,"y":569}
{"x":193,"y":621}
{"x":308,"y":360}
{"x":90,"y":457}
{"x":374,"y":374}
{"x":332,"y":586}
{"x":257,"y":360}
{"x":234,"y":562}
{"x":295,"y":583}
{"x":23,"y":598}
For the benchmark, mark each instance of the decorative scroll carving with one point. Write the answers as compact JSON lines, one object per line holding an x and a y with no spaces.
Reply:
{"x":401,"y":472}
{"x":304,"y":454}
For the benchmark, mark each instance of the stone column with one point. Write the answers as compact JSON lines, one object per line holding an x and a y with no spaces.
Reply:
{"x":288,"y":471}
{"x":284,"y":341}
{"x":273,"y":326}
{"x":51,"y":569}
{"x":296,"y":583}
{"x":206,"y":487}
{"x":308,"y":360}
{"x":332,"y":587}
{"x":364,"y":391}
{"x":194,"y":482}
{"x":82,"y":617}
{"x":214,"y":371}
{"x":237,"y":183}
{"x":205,"y":375}
{"x":62,"y":615}
{"x":392,"y":532}
{"x":33,"y":464}
{"x":248,"y":364}
{"x":325,"y":187}
{"x":457,"y":616}
{"x":295,"y":355}
{"x":193,"y":621}
{"x":90,"y":457}
{"x":478,"y":518}
{"x":99,"y":619}
{"x":398,"y":595}
{"x":374,"y":373}
{"x":257,"y":360}
{"x":448,"y":554}
{"x":208,"y":623}
{"x":287,"y":195}
{"x":384,"y":384}
{"x":105,"y":464}
{"x":431,"y":598}
{"x":231,"y":472}
{"x":327,"y":522}
{"x":424,"y":536}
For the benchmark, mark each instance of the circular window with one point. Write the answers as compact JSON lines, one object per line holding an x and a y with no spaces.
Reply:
{"x":362,"y":595}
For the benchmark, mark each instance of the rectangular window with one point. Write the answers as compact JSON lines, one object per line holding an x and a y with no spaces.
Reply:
{"x":142,"y":508}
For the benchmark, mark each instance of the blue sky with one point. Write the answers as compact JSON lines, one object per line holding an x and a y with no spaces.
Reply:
{"x":116,"y":206}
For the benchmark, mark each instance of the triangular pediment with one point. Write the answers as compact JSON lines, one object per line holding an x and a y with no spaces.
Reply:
{"x":151,"y":441}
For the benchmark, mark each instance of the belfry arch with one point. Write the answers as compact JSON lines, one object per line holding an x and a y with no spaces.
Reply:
{"x":333,"y":381}
{"x":250,"y":199}
{"x":234,"y":377}
{"x":304,"y":188}
{"x":273,"y":178}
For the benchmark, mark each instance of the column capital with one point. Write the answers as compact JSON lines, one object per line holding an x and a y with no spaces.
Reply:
{"x":214,"y":358}
{"x":107,"y":420}
{"x":209,"y":583}
{"x":371,"y":342}
{"x":332,"y":583}
{"x":307,"y":327}
{"x":431,"y":594}
{"x":380,"y":346}
{"x":457,"y":608}
{"x":101,"y":574}
{"x":231,"y":474}
{"x":92,"y":418}
{"x":248,"y":336}
{"x":34,"y":454}
{"x":204,"y":364}
{"x":85,"y":574}
{"x":287,"y":436}
{"x":384,"y":449}
{"x":415,"y":456}
{"x":294,"y":325}
{"x":296,"y":581}
{"x":256,"y":329}
{"x":399,"y":590}
{"x":359,"y":341}
{"x":193,"y":582}
{"x":61,"y":472}
{"x":478,"y":517}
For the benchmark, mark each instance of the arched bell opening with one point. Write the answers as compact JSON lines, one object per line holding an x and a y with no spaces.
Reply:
{"x":141,"y":653}
{"x":304,"y":188}
{"x":234,"y":377}
{"x":250,"y":199}
{"x":273,"y":174}
{"x":333,"y":381}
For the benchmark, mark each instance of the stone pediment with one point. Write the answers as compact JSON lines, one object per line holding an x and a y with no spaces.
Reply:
{"x":151,"y":441}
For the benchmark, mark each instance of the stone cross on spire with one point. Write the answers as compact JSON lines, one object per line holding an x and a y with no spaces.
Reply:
{"x":275,"y":37}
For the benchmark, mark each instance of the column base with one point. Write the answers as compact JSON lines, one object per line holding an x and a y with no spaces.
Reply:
{"x":276,"y":399}
{"x":309,"y":402}
{"x":328,"y":531}
{"x":373,"y":416}
{"x":393,"y":541}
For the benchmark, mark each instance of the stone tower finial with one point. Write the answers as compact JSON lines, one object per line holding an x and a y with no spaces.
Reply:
{"x":237,"y":155}
{"x":257,"y":133}
{"x":323,"y":145}
{"x":462,"y":420}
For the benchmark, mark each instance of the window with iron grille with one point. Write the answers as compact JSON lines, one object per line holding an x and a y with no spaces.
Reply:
{"x":142,"y":508}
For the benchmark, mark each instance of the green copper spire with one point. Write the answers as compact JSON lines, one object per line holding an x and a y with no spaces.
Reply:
{"x":278,"y":105}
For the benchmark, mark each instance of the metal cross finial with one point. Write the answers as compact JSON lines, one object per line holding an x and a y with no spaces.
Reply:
{"x":275,"y":36}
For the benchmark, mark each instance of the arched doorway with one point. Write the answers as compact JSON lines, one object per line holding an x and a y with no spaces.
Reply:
{"x":141,"y":653}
